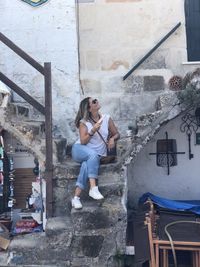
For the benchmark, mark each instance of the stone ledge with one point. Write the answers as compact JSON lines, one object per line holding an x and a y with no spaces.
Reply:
{"x":96,"y":215}
{"x":26,"y":242}
{"x":71,"y":169}
{"x":58,"y":225}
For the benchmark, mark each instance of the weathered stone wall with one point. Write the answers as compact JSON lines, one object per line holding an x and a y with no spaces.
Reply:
{"x":115,"y":35}
{"x":48,"y":34}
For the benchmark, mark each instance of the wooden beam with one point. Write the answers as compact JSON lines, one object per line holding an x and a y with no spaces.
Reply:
{"x":48,"y":133}
{"x":22,"y":93}
{"x":181,"y":243}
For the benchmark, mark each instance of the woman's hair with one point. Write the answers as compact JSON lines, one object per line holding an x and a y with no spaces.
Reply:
{"x":83,"y":112}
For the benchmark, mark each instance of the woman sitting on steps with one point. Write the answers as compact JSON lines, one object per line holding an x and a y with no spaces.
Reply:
{"x":90,"y":146}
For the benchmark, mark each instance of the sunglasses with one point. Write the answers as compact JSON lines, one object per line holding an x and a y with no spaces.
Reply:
{"x":94,"y":101}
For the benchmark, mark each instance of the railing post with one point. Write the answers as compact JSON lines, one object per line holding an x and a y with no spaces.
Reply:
{"x":48,"y":135}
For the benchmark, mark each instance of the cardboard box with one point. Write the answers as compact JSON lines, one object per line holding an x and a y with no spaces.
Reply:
{"x":4,"y":243}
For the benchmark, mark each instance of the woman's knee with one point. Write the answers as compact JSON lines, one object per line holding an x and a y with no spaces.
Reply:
{"x":94,"y":156}
{"x":93,"y":153}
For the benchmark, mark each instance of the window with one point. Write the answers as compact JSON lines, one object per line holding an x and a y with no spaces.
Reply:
{"x":192,"y":15}
{"x":165,"y":146}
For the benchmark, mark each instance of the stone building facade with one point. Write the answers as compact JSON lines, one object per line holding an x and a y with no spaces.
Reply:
{"x":91,"y":46}
{"x":101,"y":41}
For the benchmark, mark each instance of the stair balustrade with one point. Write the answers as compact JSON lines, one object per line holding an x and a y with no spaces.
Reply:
{"x":46,"y":110}
{"x":151,"y":51}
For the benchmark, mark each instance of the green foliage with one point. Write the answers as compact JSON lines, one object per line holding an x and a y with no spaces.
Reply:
{"x":189,"y":97}
{"x":119,"y":259}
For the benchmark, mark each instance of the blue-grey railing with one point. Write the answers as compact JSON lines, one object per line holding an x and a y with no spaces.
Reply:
{"x":151,"y":51}
{"x":46,"y":110}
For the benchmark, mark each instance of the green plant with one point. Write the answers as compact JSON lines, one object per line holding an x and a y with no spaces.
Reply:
{"x":119,"y":259}
{"x":189,"y":97}
{"x":130,"y":127}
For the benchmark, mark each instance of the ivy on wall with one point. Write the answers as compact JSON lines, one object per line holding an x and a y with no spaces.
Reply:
{"x":189,"y":93}
{"x":189,"y":97}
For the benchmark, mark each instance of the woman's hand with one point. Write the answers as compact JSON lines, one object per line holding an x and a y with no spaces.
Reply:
{"x":96,"y":126}
{"x":114,"y":134}
{"x":111,"y":143}
{"x":85,"y":135}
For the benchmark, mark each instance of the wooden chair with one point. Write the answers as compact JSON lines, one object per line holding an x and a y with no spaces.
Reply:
{"x":159,"y":248}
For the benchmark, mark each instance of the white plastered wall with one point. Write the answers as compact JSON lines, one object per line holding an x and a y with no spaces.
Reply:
{"x":183,"y":181}
{"x":48,"y":33}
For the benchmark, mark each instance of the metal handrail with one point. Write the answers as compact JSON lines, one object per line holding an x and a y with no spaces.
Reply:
{"x":21,"y":53}
{"x":151,"y":51}
{"x":45,"y":110}
{"x":18,"y":90}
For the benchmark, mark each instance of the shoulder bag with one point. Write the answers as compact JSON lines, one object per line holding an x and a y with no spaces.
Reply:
{"x":111,"y":153}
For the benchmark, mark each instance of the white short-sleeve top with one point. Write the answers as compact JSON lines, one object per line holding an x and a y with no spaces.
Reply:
{"x":96,"y":141}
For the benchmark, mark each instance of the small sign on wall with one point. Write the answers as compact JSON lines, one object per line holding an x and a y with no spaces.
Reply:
{"x":35,"y":2}
{"x":197,"y":138}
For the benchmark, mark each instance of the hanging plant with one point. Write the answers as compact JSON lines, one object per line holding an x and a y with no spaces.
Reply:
{"x":189,"y":97}
{"x":175,"y":83}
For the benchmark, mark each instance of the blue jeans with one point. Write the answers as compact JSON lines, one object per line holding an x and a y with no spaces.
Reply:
{"x":90,"y":162}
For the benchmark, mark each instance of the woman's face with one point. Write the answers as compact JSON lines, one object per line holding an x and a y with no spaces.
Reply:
{"x":94,"y":105}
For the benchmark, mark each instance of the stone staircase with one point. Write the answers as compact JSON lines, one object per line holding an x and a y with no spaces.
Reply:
{"x":93,"y":236}
{"x":27,"y":125}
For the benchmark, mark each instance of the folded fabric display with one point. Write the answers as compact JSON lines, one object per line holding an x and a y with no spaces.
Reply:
{"x":25,"y":226}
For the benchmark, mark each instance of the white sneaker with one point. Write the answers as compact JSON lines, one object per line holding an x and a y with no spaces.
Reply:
{"x":76,"y":203}
{"x":95,"y":194}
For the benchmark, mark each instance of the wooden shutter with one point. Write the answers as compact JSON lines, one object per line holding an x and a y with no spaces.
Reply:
{"x":192,"y":14}
{"x":23,"y":186}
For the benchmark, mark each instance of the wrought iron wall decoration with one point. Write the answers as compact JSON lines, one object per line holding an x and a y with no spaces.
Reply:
{"x":163,"y":145}
{"x":166,"y":157}
{"x":190,"y":123}
{"x":35,"y":2}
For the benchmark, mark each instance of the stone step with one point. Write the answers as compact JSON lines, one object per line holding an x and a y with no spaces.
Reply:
{"x":86,"y":233}
{"x":97,"y":227}
{"x":97,"y":215}
{"x":23,"y":110}
{"x":34,"y":249}
{"x":3,"y":258}
{"x":110,"y":183}
{"x":58,"y":225}
{"x":70,"y":169}
{"x":63,"y":200}
{"x":32,"y":129}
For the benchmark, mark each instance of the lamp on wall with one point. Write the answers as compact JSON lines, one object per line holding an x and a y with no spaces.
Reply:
{"x":197,"y":116}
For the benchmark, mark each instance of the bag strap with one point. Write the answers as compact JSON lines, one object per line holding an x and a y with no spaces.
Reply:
{"x":101,"y":137}
{"x":99,"y":133}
